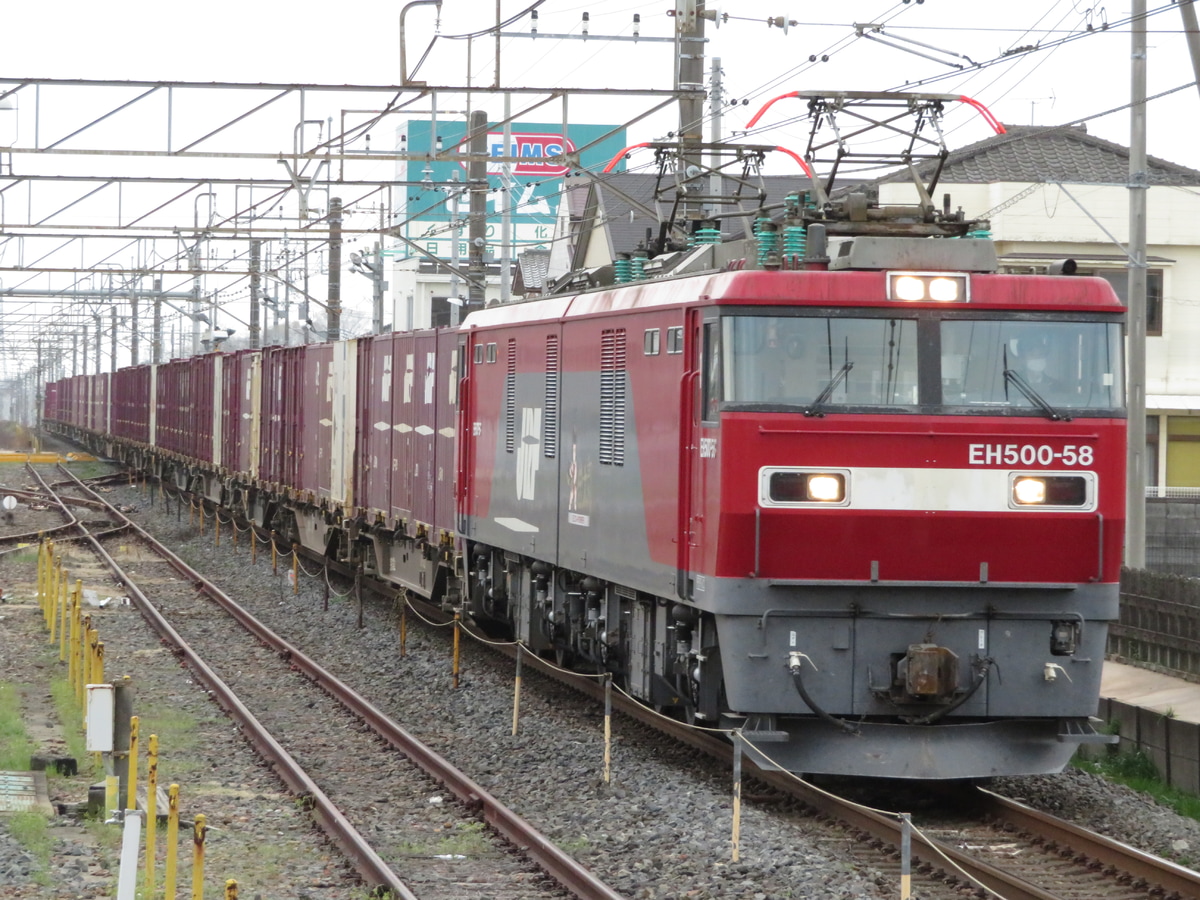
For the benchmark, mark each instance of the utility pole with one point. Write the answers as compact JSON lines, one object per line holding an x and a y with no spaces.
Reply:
{"x":334,"y":327}
{"x":689,"y":76}
{"x":1191,"y":28}
{"x":1135,"y":511}
{"x":133,"y":324}
{"x":477,"y":184}
{"x":715,"y":100}
{"x":156,"y":336}
{"x":506,"y":199}
{"x":255,"y":283}
{"x":99,"y":344}
{"x":194,"y":264}
{"x":112,"y":338}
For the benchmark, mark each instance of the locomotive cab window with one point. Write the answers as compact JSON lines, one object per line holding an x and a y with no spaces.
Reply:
{"x":1039,"y":364}
{"x":819,"y":361}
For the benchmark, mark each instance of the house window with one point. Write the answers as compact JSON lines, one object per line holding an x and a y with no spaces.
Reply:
{"x":1119,"y":279}
{"x":1183,"y":451}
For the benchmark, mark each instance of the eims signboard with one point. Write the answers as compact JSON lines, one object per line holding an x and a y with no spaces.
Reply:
{"x":437,"y":188}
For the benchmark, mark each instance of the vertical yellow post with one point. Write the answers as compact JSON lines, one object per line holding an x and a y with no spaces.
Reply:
{"x":172,"y":842}
{"x":151,"y":811}
{"x":274,"y":556}
{"x":456,"y":641}
{"x":231,"y":888}
{"x":295,"y":569}
{"x":607,"y":728}
{"x":52,"y":605}
{"x":72,"y":640}
{"x":517,"y":689}
{"x":41,"y":575}
{"x":85,"y":647}
{"x":77,"y":623}
{"x":736,"y":839}
{"x":198,"y":831}
{"x":202,"y":517}
{"x":112,"y":794}
{"x":218,"y":531}
{"x":98,"y":671}
{"x":62,"y":632}
{"x":131,"y":801}
{"x":52,"y":599}
{"x":253,"y":547}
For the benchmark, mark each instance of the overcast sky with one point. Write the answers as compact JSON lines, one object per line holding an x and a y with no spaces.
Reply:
{"x":357,"y":42}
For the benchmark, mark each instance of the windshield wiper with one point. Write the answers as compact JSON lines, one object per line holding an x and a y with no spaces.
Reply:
{"x":813,"y":408}
{"x":1033,"y":396}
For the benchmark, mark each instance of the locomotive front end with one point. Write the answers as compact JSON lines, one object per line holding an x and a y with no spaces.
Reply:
{"x":906,"y":520}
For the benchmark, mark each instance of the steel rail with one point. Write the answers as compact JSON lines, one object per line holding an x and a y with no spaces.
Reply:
{"x":1160,"y":874}
{"x":563,"y":868}
{"x":364,"y":859}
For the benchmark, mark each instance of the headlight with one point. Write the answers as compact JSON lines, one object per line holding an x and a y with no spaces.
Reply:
{"x":1050,"y":490}
{"x":791,"y":486}
{"x":930,"y":286}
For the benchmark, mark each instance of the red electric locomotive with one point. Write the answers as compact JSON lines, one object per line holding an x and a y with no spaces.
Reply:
{"x":869,"y":511}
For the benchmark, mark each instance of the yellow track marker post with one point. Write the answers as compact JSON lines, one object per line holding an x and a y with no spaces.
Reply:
{"x":41,"y":576}
{"x":517,"y":689}
{"x":456,"y":643}
{"x":736,"y":840}
{"x":53,"y":603}
{"x":274,"y":555}
{"x":98,"y":672}
{"x":72,"y":640}
{"x":295,"y":569}
{"x":202,"y":516}
{"x":131,"y":802}
{"x":62,"y":631}
{"x":608,"y":728}
{"x":151,"y":811}
{"x":231,"y":889}
{"x":198,"y":834}
{"x":253,"y":547}
{"x":172,"y":842}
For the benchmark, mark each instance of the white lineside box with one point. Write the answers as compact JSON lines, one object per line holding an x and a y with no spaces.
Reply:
{"x":101,"y":717}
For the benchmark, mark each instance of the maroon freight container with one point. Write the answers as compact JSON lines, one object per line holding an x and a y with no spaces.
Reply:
{"x":403,"y":380}
{"x":315,"y":441}
{"x":239,"y":412}
{"x":131,"y":403}
{"x":373,"y":469}
{"x":186,"y":407}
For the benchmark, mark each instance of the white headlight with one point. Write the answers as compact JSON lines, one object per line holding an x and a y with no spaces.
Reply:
{"x":909,"y":288}
{"x":943,"y":289}
{"x":1029,"y":490}
{"x":827,"y":488}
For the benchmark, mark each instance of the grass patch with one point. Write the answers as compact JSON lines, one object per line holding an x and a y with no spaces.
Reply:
{"x":71,"y":717}
{"x":466,"y":839}
{"x":31,"y":832}
{"x":91,"y":469}
{"x":1137,"y":771}
{"x":15,"y":745}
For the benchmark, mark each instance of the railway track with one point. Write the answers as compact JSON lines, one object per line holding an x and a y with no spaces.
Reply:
{"x":1014,"y":851}
{"x":247,"y":668}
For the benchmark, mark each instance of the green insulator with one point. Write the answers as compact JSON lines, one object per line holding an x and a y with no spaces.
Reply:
{"x":623,"y":268}
{"x":637,"y":269}
{"x":767,"y":234}
{"x":703,"y":236}
{"x":794,"y":240}
{"x":980,"y":233}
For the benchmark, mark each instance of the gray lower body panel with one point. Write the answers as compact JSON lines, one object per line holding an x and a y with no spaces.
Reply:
{"x":978,"y":750}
